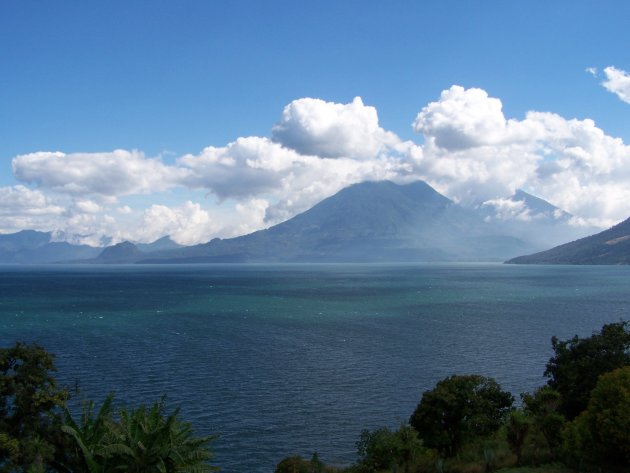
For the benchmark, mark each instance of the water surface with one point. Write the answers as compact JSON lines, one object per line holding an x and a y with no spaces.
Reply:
{"x":291,"y":359}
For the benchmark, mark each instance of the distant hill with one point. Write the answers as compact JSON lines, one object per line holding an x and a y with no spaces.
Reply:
{"x":164,"y":243}
{"x":367,"y":222}
{"x":26,"y":239}
{"x":611,"y":246}
{"x":125,"y":252}
{"x":33,"y":247}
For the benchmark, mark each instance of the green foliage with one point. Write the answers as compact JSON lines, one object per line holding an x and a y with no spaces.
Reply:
{"x":293,"y":464}
{"x":382,"y":448}
{"x":91,"y":435}
{"x":601,"y":434}
{"x":577,"y":363}
{"x":138,"y":440}
{"x":608,"y":415}
{"x":297,"y":464}
{"x":542,"y":408}
{"x":459,"y":408}
{"x":38,"y":434}
{"x":30,"y":409}
{"x":517,"y":428}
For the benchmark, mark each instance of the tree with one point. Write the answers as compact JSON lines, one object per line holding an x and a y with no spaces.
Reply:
{"x":458,"y":408}
{"x":600,"y":435}
{"x":542,"y":407}
{"x":578,"y":362}
{"x":140,"y":440}
{"x":91,"y":436}
{"x":297,"y":464}
{"x":517,"y":428}
{"x":293,"y":464}
{"x":382,"y":448}
{"x":608,"y":416}
{"x":30,"y":408}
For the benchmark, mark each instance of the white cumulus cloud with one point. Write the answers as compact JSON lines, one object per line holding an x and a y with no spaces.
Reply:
{"x":24,"y":208}
{"x":22,"y":200}
{"x":332,"y":130}
{"x":111,"y":174}
{"x":617,"y":82}
{"x":87,"y":206}
{"x":473,"y":153}
{"x":256,"y":167}
{"x":187,"y":224}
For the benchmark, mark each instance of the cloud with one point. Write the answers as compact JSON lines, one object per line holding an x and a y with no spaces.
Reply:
{"x":508,"y":209}
{"x":592,"y":71}
{"x":187,"y":224}
{"x":24,"y":208}
{"x":461,"y":119}
{"x":617,"y":82}
{"x":22,"y":200}
{"x":87,"y":206}
{"x":259,"y":167}
{"x":471,"y":152}
{"x":110,"y":174}
{"x":87,"y":228}
{"x":247,"y":167}
{"x":332,"y":130}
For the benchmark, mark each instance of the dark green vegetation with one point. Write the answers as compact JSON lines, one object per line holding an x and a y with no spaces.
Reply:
{"x":577,"y":364}
{"x":38,"y":433}
{"x":460,"y":408}
{"x":611,"y":246}
{"x":578,"y":422}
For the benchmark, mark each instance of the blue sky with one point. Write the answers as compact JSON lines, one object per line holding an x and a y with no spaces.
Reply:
{"x":162,"y":80}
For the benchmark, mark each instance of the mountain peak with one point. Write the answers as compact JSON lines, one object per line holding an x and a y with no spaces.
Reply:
{"x":161,"y":244}
{"x":121,"y":252}
{"x":538,"y":206}
{"x":368,"y":222}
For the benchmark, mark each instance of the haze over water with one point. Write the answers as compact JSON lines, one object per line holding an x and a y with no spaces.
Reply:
{"x":291,"y":359}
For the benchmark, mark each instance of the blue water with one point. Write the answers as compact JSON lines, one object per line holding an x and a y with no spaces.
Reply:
{"x":291,"y":359}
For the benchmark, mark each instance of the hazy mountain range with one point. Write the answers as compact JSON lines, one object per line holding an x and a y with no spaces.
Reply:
{"x":367,"y":222}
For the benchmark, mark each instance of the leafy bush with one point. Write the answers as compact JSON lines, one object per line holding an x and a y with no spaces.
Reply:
{"x":137,"y":440}
{"x":459,"y":408}
{"x":577,"y":364}
{"x":30,"y":409}
{"x":297,"y":464}
{"x":547,"y":423}
{"x":601,"y":434}
{"x":517,"y":428}
{"x":401,"y":450}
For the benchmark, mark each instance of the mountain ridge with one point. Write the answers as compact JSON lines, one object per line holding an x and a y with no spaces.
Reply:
{"x":611,"y":246}
{"x":377,"y":221}
{"x":366,"y":222}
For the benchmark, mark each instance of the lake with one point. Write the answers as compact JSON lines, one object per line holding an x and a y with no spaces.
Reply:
{"x":292,"y":359}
